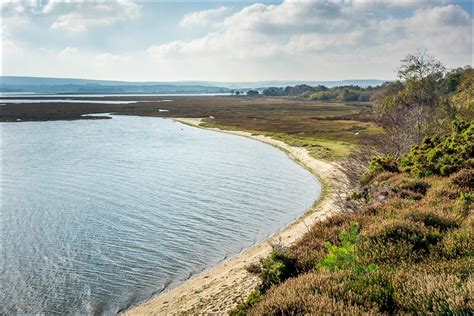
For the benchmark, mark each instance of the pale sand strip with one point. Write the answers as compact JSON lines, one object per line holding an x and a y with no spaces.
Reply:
{"x":217,"y":290}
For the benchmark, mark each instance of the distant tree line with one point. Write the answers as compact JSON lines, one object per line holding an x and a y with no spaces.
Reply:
{"x":323,"y":93}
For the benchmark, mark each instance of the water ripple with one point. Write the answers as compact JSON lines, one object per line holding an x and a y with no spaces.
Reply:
{"x":99,"y":215}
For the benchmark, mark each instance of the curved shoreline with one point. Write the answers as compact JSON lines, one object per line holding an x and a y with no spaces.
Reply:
{"x":221,"y":287}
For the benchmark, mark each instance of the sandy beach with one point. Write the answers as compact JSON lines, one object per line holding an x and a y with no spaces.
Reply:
{"x":218,"y":289}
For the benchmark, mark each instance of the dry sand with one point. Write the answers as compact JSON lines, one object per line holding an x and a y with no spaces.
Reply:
{"x":219,"y":289}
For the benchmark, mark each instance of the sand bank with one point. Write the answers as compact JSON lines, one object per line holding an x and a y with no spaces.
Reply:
{"x":218,"y":289}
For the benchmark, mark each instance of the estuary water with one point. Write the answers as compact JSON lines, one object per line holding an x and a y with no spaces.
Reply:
{"x":97,"y":215}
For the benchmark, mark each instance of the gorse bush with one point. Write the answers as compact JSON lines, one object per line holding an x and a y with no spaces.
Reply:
{"x":383,"y":163}
{"x":442,"y":155}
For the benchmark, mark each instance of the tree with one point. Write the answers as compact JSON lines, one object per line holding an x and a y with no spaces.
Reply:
{"x":416,"y":108}
{"x":273,"y":91}
{"x":463,"y":99}
{"x":422,"y":74}
{"x":420,"y":66}
{"x":237,"y":93}
{"x":252,"y":93}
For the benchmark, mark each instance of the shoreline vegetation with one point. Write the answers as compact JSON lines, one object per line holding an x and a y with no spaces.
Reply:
{"x":223,"y":286}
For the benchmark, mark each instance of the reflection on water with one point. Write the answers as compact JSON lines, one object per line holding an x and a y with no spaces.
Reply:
{"x":98,"y":215}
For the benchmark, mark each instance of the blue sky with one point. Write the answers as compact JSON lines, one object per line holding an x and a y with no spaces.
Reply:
{"x":230,"y":40}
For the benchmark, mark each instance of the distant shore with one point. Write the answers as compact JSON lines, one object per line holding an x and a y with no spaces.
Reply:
{"x":220,"y":288}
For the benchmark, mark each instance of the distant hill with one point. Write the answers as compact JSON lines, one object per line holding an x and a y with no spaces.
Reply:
{"x":72,"y":85}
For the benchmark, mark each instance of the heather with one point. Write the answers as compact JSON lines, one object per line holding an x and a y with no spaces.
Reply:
{"x":409,"y":249}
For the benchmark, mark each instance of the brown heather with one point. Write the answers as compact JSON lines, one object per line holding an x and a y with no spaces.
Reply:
{"x":310,"y":294}
{"x":440,"y":293}
{"x":419,"y":232}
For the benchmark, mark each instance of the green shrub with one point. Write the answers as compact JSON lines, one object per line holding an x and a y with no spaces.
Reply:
{"x":344,"y":257}
{"x":242,"y":308}
{"x":442,"y":155}
{"x":466,"y":197}
{"x":383,"y":164}
{"x":278,"y":267}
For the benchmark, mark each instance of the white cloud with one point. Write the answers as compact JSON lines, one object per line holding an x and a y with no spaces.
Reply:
{"x":203,"y":18}
{"x":79,"y":16}
{"x":319,"y":31}
{"x":69,"y":15}
{"x":313,"y":40}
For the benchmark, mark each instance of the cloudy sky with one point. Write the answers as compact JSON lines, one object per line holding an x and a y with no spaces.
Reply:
{"x":230,"y":41}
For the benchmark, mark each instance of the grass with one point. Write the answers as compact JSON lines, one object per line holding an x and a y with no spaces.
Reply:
{"x":328,"y":131}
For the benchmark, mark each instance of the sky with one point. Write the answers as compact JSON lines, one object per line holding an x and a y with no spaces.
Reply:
{"x":230,"y":40}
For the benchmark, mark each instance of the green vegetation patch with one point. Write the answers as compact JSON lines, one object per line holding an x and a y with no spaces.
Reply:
{"x":442,"y":155}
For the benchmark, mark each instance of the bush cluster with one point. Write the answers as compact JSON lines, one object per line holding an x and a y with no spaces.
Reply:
{"x":442,"y":155}
{"x":383,"y":164}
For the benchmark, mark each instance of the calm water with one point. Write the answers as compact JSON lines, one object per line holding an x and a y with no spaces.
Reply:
{"x":5,"y":101}
{"x":101,"y":214}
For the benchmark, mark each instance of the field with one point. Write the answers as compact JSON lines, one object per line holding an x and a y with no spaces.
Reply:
{"x":327,"y":130}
